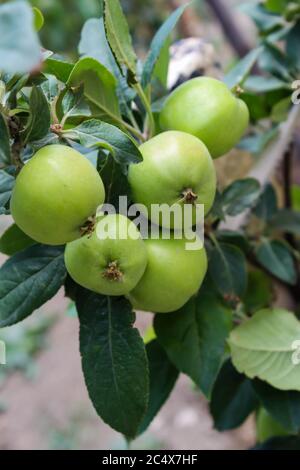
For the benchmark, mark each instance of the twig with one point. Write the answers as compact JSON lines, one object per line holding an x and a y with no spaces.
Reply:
{"x":287,"y":185}
{"x":147,"y":106}
{"x":229,"y":26}
{"x":287,"y":173}
{"x":263,"y":171}
{"x":267,"y":164}
{"x":14,"y":129}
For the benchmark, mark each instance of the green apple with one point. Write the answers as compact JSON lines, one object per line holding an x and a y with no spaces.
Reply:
{"x":267,"y":427}
{"x":173,"y":275}
{"x":207,"y":109}
{"x":111,"y":260}
{"x":176,"y":170}
{"x":56,"y":194}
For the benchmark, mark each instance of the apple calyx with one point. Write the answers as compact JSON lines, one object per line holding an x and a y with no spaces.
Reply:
{"x":88,"y":227}
{"x":112,"y":272}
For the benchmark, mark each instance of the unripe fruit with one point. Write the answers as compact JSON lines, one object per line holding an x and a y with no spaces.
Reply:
{"x":173,"y":275}
{"x":56,"y":194}
{"x":207,"y":109}
{"x":176,"y":169}
{"x":111,"y":265}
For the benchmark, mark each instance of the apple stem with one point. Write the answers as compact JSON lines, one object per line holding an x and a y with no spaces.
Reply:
{"x":56,"y":129}
{"x":112,"y":272}
{"x":189,"y":196}
{"x":238,"y":91}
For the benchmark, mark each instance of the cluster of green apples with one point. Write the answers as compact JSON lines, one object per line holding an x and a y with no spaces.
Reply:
{"x":58,"y":192}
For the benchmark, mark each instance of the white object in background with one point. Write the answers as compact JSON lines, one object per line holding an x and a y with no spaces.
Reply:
{"x":192,"y":57}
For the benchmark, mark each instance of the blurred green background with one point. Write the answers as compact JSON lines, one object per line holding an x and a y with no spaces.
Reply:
{"x":64,"y":20}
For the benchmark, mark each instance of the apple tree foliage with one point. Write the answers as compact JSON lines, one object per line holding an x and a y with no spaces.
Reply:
{"x":231,"y":341}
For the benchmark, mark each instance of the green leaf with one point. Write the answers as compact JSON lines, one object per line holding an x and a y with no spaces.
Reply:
{"x":292,"y":11}
{"x":276,"y":6}
{"x":295,"y":193}
{"x":283,"y":406}
{"x":36,"y":79}
{"x":260,"y":84}
{"x":158,"y":43}
{"x":257,"y":105}
{"x":14,"y":240}
{"x":286,"y":220}
{"x":267,"y":204}
{"x":161,"y":71}
{"x":39,"y":122}
{"x":69,"y":99}
{"x":264,"y":20}
{"x":279,"y":34}
{"x":238,"y":74}
{"x":38,"y":19}
{"x":257,"y":143}
{"x":115,"y":182}
{"x":266,"y":347}
{"x":7,"y":183}
{"x":234,"y":237}
{"x":72,"y":107}
{"x":149,"y":335}
{"x":259,"y":292}
{"x":217,"y":209}
{"x":292,"y":45}
{"x":5,"y":153}
{"x":114,"y":361}
{"x":95,"y":133}
{"x":99,"y":88}
{"x":280,"y":443}
{"x":94,"y":44}
{"x":28,"y":280}
{"x":157,"y":105}
{"x":118,"y":36}
{"x":227,"y":267}
{"x":14,"y":86}
{"x":19,"y":44}
{"x":71,"y":310}
{"x":49,"y":139}
{"x":50,"y":88}
{"x":267,"y":427}
{"x":163,"y":376}
{"x":274,"y":61}
{"x":277,"y":259}
{"x":280,"y":110}
{"x":233,"y":398}
{"x":195,"y":338}
{"x":59,"y":68}
{"x":240,"y":195}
